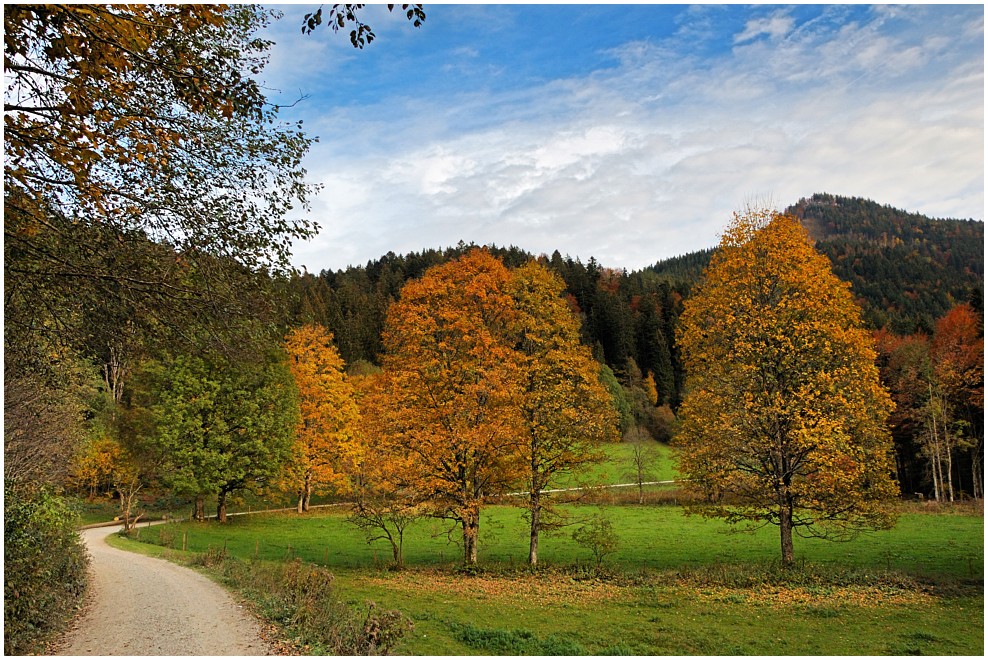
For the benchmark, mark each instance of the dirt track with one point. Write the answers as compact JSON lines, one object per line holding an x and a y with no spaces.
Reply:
{"x":145,"y":606}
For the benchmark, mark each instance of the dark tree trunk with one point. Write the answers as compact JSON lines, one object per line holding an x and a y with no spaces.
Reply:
{"x":471,"y":529}
{"x":977,"y":488}
{"x":536,"y":511}
{"x":199,"y":512}
{"x":785,"y":530}
{"x":221,"y":506}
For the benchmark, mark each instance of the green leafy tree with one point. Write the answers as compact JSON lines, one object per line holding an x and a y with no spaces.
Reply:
{"x":619,"y":398}
{"x":147,"y":183}
{"x":784,"y":417}
{"x":642,"y":461}
{"x":219,"y":428}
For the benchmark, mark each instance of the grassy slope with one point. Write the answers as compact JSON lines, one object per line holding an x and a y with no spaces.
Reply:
{"x":616,"y":468}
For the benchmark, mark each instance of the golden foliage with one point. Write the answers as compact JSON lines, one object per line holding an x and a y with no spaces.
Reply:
{"x":94,"y":465}
{"x":567,"y":410}
{"x":326,"y":452}
{"x":486,"y":387}
{"x":784,"y":419}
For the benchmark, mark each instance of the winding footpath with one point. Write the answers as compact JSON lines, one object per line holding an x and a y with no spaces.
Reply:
{"x":146,"y":606}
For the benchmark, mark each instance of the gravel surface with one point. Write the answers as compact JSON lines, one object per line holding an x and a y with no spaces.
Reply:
{"x":146,"y":606}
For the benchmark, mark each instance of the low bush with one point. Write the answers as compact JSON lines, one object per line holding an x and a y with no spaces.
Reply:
{"x":300,"y":598}
{"x":44,"y":568}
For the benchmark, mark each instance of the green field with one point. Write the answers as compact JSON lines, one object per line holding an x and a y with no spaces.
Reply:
{"x":676,"y":585}
{"x":618,"y":466}
{"x":615,"y":468}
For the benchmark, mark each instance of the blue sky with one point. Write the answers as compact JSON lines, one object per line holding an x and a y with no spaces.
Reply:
{"x":629,"y":133}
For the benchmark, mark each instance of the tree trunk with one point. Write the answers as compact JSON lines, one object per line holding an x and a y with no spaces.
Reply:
{"x":399,"y":550}
{"x":536,"y":511}
{"x":950,"y":459}
{"x":113,"y":374}
{"x":471,"y":529}
{"x":124,"y":510}
{"x":221,"y":506}
{"x":199,"y":512}
{"x":934,"y":465}
{"x":306,"y":495}
{"x":301,"y":498}
{"x":785,"y":530}
{"x":977,"y":485}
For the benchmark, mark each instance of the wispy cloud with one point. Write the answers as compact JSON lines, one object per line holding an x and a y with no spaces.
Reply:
{"x":775,"y":27}
{"x":645,"y":158}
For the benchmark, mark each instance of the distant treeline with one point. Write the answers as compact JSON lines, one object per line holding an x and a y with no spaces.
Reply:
{"x":906,"y":270}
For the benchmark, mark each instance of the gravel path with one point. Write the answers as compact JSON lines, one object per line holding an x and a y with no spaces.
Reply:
{"x":146,"y":606}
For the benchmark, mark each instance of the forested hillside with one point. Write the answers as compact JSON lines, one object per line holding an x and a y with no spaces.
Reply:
{"x":906,"y":270}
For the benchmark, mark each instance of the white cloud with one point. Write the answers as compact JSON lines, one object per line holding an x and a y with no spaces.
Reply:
{"x":775,"y":26}
{"x":648,"y":160}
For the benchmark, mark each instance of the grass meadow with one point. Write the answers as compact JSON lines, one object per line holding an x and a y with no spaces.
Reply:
{"x":676,"y":584}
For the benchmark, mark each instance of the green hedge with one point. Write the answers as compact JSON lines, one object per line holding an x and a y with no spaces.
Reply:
{"x":44,"y":568}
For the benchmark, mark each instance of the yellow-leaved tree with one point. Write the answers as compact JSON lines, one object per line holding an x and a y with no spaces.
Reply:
{"x":568,"y":411}
{"x":325,"y":452}
{"x":784,"y":417}
{"x":455,"y":387}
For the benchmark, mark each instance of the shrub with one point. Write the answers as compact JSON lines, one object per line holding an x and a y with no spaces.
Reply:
{"x":300,"y":597}
{"x":44,"y":568}
{"x":598,"y":536}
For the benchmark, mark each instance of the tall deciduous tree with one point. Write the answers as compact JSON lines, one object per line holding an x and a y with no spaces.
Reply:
{"x":386,"y":485}
{"x":784,"y":417}
{"x":957,"y":356}
{"x":567,"y":410}
{"x":455,"y":385}
{"x":219,"y":428}
{"x":325,"y":453}
{"x":146,"y":176}
{"x":146,"y":116}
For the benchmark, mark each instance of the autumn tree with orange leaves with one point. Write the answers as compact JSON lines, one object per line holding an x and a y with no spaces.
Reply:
{"x":784,"y":418}
{"x":957,"y":353}
{"x":567,"y":410}
{"x":325,"y":452}
{"x":455,"y":386}
{"x":386,"y":497}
